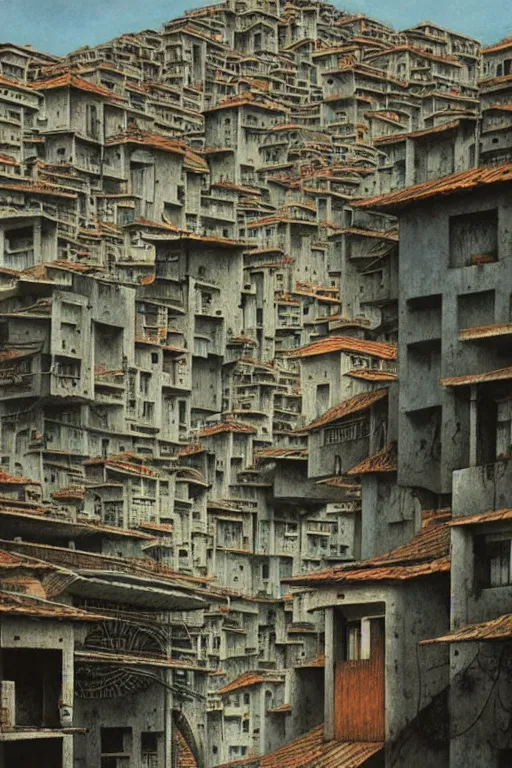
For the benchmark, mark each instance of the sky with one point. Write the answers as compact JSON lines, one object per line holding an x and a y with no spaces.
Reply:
{"x":60,"y":26}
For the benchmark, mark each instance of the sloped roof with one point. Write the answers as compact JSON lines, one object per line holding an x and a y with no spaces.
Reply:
{"x":382,"y":461}
{"x":69,"y":79}
{"x":502,"y":374}
{"x":249,"y":679}
{"x":456,"y":183}
{"x":495,"y":629}
{"x":355,"y":404}
{"x":22,"y":605}
{"x":493,"y":516}
{"x":311,"y":751}
{"x":185,"y":755}
{"x":347,"y":344}
{"x":425,"y":554}
{"x":227,"y":426}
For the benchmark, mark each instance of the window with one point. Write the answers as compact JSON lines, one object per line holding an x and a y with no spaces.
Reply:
{"x":473,"y":238}
{"x":476,"y":309}
{"x":322,"y":398}
{"x":493,"y":560}
{"x":355,"y":430}
{"x":504,"y":758}
{"x":265,"y":572}
{"x":353,"y":648}
{"x":358,"y":639}
{"x":337,"y":465}
{"x":145,"y":378}
{"x":245,"y":726}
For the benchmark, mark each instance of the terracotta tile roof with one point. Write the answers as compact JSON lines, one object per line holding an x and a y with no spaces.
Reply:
{"x":380,"y":234}
{"x":383,"y":461}
{"x":457,"y":183}
{"x":71,"y":493}
{"x":371,"y":374}
{"x":248,"y":679}
{"x":22,"y":605}
{"x":338,"y":482}
{"x":317,"y":663}
{"x":7,"y":479}
{"x":500,"y":46}
{"x":380,"y":140}
{"x":228,"y":426}
{"x":148,"y":224}
{"x":425,"y":554}
{"x":185,"y":755}
{"x":355,"y":404}
{"x":282,"y":453}
{"x":486,"y":631}
{"x":69,"y":79}
{"x":247,"y":99}
{"x":502,"y":374}
{"x":156,"y":527}
{"x":485,"y":331}
{"x":493,"y":516}
{"x":160,"y":143}
{"x":39,"y":188}
{"x":11,"y":561}
{"x":347,"y":344}
{"x":119,"y":461}
{"x":192,"y":449}
{"x":7,"y":159}
{"x":283,"y":708}
{"x":311,"y":751}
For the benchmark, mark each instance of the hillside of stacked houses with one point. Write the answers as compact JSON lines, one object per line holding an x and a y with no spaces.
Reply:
{"x":256,"y":396}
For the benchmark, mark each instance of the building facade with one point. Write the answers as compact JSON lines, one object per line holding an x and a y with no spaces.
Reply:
{"x":255,"y":424}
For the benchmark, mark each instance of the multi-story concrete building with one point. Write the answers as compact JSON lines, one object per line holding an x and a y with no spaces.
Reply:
{"x":253,"y":387}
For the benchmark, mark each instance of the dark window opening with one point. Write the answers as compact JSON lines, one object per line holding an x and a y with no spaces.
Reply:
{"x":493,"y":561}
{"x":473,"y":238}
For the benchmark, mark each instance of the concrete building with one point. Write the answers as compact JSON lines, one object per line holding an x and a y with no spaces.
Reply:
{"x":254,"y":323}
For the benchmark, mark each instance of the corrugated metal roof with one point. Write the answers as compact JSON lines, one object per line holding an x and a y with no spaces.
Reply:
{"x":485,"y":631}
{"x":355,"y":404}
{"x":347,"y":344}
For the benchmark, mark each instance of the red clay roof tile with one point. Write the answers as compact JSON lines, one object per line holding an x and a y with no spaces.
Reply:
{"x":355,"y":404}
{"x":347,"y":344}
{"x":311,"y":751}
{"x":457,"y":183}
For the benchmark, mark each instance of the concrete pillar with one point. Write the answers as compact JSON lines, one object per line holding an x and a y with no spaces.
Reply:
{"x":409,"y":162}
{"x":67,"y":751}
{"x":38,"y":243}
{"x":168,"y":724}
{"x":330,"y":660}
{"x":473,"y":426}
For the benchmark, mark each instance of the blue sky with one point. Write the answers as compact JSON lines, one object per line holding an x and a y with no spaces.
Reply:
{"x":60,"y":26}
